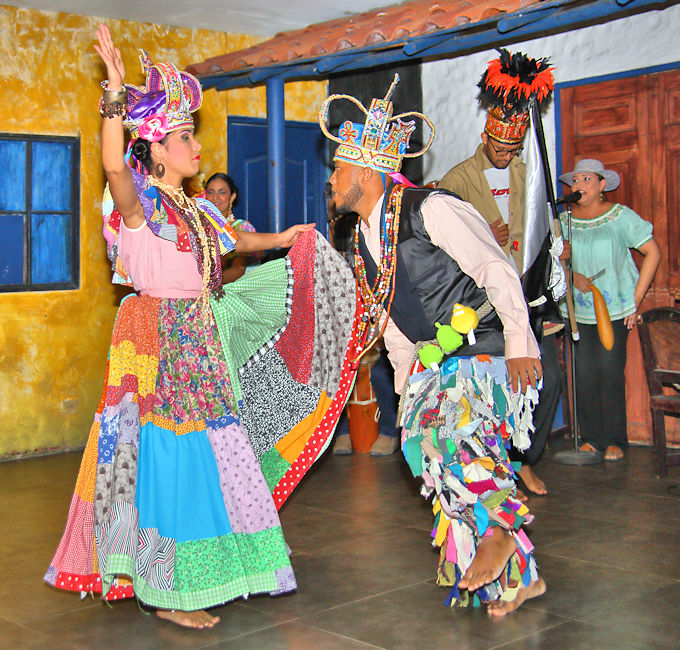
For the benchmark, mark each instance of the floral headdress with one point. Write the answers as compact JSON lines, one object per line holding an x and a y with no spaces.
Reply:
{"x":506,"y":88}
{"x":164,"y":104}
{"x":382,"y":141}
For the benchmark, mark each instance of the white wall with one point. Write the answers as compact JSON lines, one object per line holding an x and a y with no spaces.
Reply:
{"x":450,"y":87}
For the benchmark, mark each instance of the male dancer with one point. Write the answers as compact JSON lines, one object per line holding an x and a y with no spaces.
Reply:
{"x":419,"y":252}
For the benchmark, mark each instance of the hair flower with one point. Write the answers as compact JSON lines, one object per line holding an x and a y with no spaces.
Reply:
{"x":154,"y":127}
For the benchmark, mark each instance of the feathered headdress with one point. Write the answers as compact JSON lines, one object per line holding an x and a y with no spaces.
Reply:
{"x":506,"y":89}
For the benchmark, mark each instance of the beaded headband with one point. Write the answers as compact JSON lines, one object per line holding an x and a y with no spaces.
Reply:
{"x":506,"y":88}
{"x":164,"y":104}
{"x":510,"y":129}
{"x":381,"y":142}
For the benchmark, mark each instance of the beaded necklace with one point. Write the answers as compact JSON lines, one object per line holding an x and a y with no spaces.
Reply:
{"x":377,"y":300}
{"x":208,"y":259}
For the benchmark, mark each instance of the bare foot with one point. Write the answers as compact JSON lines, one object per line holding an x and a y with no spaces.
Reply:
{"x":531,"y":481}
{"x":199,"y":620}
{"x":503,"y":607}
{"x":520,"y":495}
{"x":492,"y":555}
{"x":613,"y":453}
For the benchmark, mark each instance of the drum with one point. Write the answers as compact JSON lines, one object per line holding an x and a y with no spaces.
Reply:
{"x":362,"y":407}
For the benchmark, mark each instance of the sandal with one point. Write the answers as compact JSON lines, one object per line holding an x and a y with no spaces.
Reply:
{"x":613,"y":453}
{"x":586,"y":446}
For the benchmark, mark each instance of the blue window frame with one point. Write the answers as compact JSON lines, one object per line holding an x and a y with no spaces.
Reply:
{"x":39,"y":212}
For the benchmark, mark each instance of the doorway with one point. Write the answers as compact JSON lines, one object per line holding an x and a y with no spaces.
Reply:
{"x":305,"y":172}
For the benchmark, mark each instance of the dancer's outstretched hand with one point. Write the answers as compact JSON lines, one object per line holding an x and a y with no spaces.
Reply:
{"x":523,"y":371}
{"x":290,"y":236}
{"x":110,"y":55}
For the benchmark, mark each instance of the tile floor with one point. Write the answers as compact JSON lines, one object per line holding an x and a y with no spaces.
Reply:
{"x":607,"y":539}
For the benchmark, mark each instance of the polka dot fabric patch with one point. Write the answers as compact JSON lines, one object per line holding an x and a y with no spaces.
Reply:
{"x":321,"y":437}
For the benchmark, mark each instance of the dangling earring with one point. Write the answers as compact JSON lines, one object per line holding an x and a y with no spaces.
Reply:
{"x":159,"y":170}
{"x":603,"y":198}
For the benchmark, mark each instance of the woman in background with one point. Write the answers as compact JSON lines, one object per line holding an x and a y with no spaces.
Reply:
{"x":602,"y":234}
{"x":222,"y":191}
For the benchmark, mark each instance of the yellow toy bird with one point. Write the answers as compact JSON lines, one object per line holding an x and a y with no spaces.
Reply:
{"x":464,"y":320}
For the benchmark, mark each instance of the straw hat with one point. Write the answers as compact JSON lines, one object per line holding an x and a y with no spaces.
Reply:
{"x":595,"y":167}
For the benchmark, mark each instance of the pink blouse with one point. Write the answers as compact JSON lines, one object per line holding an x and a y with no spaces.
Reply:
{"x":155,"y":265}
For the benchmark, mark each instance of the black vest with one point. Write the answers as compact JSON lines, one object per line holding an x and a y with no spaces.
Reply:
{"x":429,"y":282}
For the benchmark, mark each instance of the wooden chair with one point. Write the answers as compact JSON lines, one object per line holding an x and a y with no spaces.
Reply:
{"x":660,"y":339}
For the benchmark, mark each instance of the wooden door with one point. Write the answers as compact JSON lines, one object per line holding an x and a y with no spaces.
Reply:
{"x":633,"y":126}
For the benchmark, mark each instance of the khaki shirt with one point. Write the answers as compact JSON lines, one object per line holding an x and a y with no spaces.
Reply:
{"x":468,"y":181}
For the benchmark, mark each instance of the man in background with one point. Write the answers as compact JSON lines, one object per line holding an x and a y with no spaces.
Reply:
{"x":493,"y":181}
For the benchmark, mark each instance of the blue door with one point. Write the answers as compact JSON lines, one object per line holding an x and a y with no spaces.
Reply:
{"x":305,"y":172}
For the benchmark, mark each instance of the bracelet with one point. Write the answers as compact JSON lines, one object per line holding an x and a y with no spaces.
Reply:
{"x":113,"y":103}
{"x":113,"y":109}
{"x":114,"y":96}
{"x":105,"y":85}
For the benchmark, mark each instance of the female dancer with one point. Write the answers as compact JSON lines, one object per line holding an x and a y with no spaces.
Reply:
{"x":171,"y":505}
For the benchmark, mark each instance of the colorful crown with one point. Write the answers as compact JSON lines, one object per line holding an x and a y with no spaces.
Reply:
{"x":166,"y":102}
{"x":381,"y":142}
{"x":506,"y":89}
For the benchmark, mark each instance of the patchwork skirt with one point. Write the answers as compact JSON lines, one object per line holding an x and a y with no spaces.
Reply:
{"x":458,"y":422}
{"x":171,"y":504}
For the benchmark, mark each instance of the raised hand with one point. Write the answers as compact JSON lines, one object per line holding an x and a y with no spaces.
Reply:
{"x":110,"y":55}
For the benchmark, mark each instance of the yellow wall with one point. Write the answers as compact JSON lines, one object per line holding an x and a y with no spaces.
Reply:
{"x":53,"y":344}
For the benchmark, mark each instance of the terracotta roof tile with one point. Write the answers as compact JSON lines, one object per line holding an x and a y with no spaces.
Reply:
{"x":393,"y":24}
